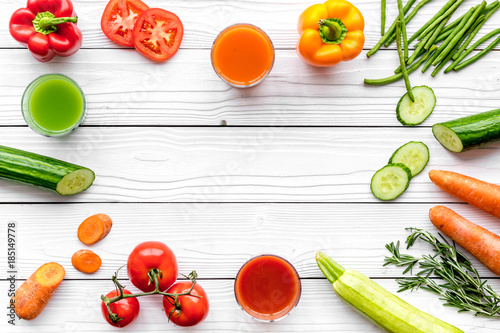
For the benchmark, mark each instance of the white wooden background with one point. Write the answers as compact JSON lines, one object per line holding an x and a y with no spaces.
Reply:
{"x":289,"y":175}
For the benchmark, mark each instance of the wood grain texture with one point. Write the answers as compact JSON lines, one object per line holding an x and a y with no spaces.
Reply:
{"x":277,"y":17}
{"x":216,"y":239}
{"x":75,"y":308}
{"x":122,"y":88}
{"x":240,"y":164}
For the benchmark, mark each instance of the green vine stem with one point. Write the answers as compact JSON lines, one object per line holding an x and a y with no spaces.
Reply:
{"x":154,"y":274}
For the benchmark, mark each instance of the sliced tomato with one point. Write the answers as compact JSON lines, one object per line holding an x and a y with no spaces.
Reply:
{"x":119,"y":18}
{"x":158,"y":34}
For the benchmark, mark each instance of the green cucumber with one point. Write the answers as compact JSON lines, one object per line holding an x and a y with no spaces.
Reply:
{"x":391,"y":181}
{"x":382,"y":307}
{"x":29,"y":168}
{"x":413,"y":113}
{"x":414,"y":155}
{"x":468,"y":132}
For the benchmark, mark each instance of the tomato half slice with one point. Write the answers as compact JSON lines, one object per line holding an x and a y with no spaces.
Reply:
{"x":119,"y":18}
{"x":158,"y":34}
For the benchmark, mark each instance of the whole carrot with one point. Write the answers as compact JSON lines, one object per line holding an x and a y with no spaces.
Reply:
{"x":483,"y":195}
{"x":478,"y":241}
{"x":34,"y":294}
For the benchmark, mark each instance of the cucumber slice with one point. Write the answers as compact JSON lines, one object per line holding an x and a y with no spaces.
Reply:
{"x":414,"y":155}
{"x":391,"y":181}
{"x":29,"y":168}
{"x":468,"y":132}
{"x":413,"y":113}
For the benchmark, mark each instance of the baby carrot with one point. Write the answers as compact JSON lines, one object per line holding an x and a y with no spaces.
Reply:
{"x":478,"y":241}
{"x":34,"y":294}
{"x":86,"y":261}
{"x":483,"y":195}
{"x":94,"y":228}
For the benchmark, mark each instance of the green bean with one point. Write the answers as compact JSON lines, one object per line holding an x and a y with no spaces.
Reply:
{"x":407,"y":20}
{"x":420,"y":53}
{"x":453,"y":24}
{"x":399,"y":76}
{"x":438,"y":14}
{"x":446,"y":14}
{"x":480,"y":54}
{"x":388,"y":33}
{"x":382,"y":18}
{"x":420,"y":45}
{"x":443,"y":36}
{"x":436,"y":33}
{"x":448,"y":56}
{"x":476,"y":30}
{"x":458,"y":36}
{"x":402,"y":61}
{"x":448,"y":39}
{"x":402,"y":27}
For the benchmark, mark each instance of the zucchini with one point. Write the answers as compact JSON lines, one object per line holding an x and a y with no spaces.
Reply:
{"x":58,"y":176}
{"x":468,"y":132}
{"x":391,"y":181}
{"x":413,"y":113}
{"x":414,"y":155}
{"x":378,"y":304}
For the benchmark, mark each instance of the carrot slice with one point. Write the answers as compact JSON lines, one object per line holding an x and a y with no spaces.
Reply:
{"x":478,"y":241}
{"x":34,"y":294}
{"x":94,"y":228}
{"x":483,"y":195}
{"x":86,"y":261}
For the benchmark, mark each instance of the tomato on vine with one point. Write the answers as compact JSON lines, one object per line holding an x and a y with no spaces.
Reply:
{"x":123,"y":312}
{"x":152,"y":256}
{"x":190,"y":307}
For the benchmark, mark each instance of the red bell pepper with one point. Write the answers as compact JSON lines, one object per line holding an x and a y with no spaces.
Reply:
{"x":48,"y":28}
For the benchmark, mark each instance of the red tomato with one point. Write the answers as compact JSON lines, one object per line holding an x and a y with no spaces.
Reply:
{"x":158,"y":34}
{"x":127,"y":309}
{"x":192,"y":311}
{"x":118,"y":20}
{"x":150,"y":255}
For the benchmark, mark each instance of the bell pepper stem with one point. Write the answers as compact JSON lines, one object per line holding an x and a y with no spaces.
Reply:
{"x":46,"y":22}
{"x":329,"y":267}
{"x":331,"y":30}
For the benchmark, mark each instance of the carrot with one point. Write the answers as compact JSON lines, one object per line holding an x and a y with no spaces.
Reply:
{"x":481,"y":243}
{"x":483,"y":195}
{"x":34,"y":294}
{"x":94,"y":228}
{"x":86,"y":261}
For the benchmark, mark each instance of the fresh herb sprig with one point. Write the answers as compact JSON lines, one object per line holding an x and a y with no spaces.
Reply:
{"x":461,"y":285}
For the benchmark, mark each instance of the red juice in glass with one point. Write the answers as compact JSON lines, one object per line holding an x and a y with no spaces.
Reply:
{"x":267,"y":287}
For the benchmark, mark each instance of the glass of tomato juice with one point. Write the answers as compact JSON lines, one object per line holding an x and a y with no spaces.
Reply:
{"x":242,"y":55}
{"x":53,"y":105}
{"x":267,"y":287}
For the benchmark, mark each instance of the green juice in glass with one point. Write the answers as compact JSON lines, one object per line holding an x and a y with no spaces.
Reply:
{"x":53,"y":105}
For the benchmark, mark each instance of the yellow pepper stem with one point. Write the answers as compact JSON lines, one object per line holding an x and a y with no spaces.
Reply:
{"x":332,"y":30}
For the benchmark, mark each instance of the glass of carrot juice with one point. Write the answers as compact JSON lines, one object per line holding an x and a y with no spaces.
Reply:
{"x":242,"y":55}
{"x":267,"y":287}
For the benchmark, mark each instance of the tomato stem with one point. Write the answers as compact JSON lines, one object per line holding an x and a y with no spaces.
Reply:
{"x":154,"y":275}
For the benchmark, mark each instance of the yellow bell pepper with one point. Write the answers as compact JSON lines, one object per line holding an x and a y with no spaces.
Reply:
{"x":330,"y":33}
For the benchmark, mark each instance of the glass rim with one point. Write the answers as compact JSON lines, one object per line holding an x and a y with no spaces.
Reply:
{"x":296,"y":274}
{"x":232,"y":26}
{"x":27,"y":113}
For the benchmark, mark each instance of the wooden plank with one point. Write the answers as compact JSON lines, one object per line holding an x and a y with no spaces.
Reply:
{"x":74,"y":308}
{"x":123,"y":89}
{"x":216,"y":239}
{"x":278,"y":18}
{"x":239,"y":164}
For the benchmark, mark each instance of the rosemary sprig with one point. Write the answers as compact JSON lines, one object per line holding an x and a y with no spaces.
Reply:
{"x":459,"y":286}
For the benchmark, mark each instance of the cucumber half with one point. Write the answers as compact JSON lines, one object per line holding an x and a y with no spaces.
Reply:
{"x":468,"y":132}
{"x":413,"y":113}
{"x":391,"y":181}
{"x":49,"y":173}
{"x":414,"y":155}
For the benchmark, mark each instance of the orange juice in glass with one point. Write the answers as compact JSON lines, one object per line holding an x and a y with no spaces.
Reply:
{"x":242,"y":55}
